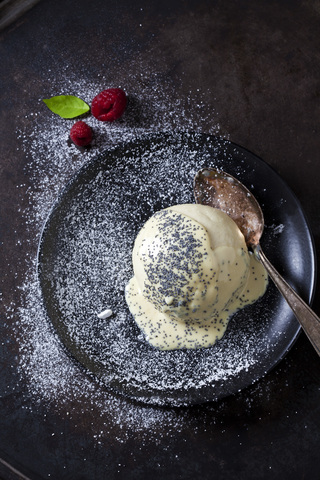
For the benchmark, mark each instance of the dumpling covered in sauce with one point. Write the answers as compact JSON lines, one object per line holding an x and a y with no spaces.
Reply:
{"x":192,"y":271}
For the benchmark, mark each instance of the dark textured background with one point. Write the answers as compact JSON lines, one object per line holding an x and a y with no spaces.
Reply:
{"x":258,"y":63}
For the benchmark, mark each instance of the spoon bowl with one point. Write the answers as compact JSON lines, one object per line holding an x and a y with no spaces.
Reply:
{"x":220,"y":190}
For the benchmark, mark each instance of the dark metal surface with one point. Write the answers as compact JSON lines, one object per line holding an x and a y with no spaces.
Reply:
{"x":11,"y":10}
{"x":257,"y":65}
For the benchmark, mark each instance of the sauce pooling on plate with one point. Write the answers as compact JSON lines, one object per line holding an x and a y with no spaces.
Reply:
{"x":192,"y":272}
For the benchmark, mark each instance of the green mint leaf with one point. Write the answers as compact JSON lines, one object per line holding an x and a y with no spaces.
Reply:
{"x":67,"y":106}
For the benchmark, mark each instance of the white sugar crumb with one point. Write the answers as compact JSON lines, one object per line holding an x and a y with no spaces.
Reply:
{"x":277,"y":229}
{"x":50,"y":375}
{"x":105,"y":314}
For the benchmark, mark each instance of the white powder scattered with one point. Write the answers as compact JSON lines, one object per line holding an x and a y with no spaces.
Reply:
{"x":277,"y":229}
{"x":87,"y":263}
{"x":50,"y":374}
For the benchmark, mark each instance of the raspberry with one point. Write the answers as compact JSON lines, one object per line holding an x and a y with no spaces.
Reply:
{"x":81,"y":134}
{"x":109,"y":105}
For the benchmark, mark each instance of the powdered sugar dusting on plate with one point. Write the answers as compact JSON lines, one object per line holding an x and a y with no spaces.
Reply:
{"x":50,"y":375}
{"x":86,"y":263}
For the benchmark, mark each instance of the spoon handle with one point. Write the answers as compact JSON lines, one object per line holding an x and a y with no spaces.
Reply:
{"x":309,"y":321}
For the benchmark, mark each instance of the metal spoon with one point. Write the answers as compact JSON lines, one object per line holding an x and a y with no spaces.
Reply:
{"x":220,"y":190}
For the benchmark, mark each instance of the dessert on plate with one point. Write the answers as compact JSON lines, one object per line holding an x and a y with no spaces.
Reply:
{"x":192,"y":272}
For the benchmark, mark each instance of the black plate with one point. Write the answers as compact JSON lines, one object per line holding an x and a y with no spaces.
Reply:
{"x":85,"y":263}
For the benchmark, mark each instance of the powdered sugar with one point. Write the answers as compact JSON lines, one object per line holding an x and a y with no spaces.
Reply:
{"x":277,"y":229}
{"x":86,"y":262}
{"x":51,"y":375}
